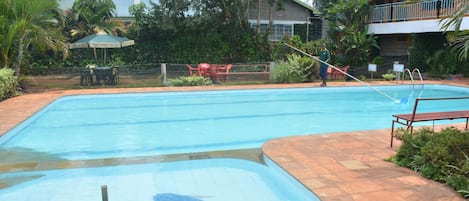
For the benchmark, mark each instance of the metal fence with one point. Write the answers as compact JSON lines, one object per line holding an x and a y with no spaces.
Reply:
{"x":403,"y":11}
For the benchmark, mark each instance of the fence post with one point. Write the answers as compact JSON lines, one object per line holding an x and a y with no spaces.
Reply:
{"x":271,"y":69}
{"x":163,"y":72}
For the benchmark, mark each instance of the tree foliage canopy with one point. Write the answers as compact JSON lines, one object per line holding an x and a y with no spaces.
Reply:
{"x":26,"y":24}
{"x":184,"y":31}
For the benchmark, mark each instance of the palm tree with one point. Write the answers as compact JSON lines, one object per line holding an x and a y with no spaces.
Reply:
{"x":90,"y":16}
{"x":8,"y":33}
{"x":458,"y":39}
{"x":36,"y":23}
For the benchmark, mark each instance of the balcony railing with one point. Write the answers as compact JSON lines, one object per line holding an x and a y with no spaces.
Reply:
{"x":402,"y":11}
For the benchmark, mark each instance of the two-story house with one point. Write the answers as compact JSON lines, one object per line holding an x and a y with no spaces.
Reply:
{"x":292,"y":12}
{"x":283,"y":20}
{"x":394,"y":21}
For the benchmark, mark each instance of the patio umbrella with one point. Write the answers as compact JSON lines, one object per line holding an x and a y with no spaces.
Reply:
{"x":102,"y":40}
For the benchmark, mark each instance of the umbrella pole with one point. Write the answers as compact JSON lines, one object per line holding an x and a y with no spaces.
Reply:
{"x":95,"y":56}
{"x":104,"y":56}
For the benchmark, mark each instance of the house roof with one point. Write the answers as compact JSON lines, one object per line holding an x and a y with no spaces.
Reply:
{"x":307,"y":6}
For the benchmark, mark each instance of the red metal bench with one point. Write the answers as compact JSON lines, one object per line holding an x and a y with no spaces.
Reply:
{"x":408,"y":119}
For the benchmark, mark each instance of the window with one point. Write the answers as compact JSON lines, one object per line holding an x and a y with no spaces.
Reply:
{"x":278,"y":30}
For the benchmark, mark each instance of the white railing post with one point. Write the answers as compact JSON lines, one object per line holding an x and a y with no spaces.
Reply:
{"x":271,"y":69}
{"x":163,"y":73}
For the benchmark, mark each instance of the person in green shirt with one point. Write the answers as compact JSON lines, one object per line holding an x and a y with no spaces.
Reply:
{"x":324,"y":55}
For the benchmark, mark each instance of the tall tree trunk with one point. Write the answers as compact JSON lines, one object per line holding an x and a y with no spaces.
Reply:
{"x":17,"y":64}
{"x":271,"y":20}
{"x":246,"y":12}
{"x":259,"y":16}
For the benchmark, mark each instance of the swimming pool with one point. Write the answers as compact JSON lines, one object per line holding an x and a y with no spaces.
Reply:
{"x":193,"y":180}
{"x":122,"y":125}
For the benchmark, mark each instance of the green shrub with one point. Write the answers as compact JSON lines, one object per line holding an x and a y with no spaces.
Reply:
{"x":190,"y":81}
{"x":388,"y":76}
{"x":8,"y":83}
{"x":438,"y":156}
{"x":297,"y":69}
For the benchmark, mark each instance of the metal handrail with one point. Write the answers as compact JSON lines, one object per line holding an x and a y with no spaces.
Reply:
{"x":420,"y":75}
{"x":403,"y":11}
{"x":411,"y":75}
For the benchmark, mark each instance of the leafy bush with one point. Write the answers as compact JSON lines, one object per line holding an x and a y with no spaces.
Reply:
{"x":442,"y":62}
{"x":438,"y":156}
{"x":388,"y":76}
{"x":284,"y":73}
{"x":190,"y":81}
{"x":8,"y":83}
{"x":297,"y":69}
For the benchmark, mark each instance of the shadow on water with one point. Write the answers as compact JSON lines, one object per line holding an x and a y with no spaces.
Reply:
{"x":25,"y":160}
{"x":6,"y":182}
{"x":173,"y":197}
{"x":19,"y":160}
{"x":23,"y":155}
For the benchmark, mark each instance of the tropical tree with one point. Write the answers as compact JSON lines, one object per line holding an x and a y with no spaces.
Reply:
{"x":350,"y":31}
{"x":29,"y":25}
{"x":324,"y":5}
{"x":458,"y":39}
{"x":90,"y":16}
{"x":8,"y":32}
{"x":185,"y":31}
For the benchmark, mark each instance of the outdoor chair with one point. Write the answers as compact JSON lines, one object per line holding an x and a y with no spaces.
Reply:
{"x":223,"y":72}
{"x":337,"y":74}
{"x":86,"y":77}
{"x":329,"y":72}
{"x":193,"y":71}
{"x":205,"y":69}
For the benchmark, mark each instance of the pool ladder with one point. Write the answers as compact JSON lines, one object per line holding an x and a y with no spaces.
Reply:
{"x":411,"y":75}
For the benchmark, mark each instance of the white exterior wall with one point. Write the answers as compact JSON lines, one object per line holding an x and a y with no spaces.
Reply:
{"x":407,"y":27}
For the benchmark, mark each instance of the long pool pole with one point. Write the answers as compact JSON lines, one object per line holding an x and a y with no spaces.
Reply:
{"x":338,"y":69}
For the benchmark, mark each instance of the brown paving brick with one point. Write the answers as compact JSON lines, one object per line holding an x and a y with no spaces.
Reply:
{"x":359,"y":186}
{"x":313,"y":183}
{"x":382,"y":178}
{"x":412,"y":180}
{"x":338,"y":198}
{"x":377,"y":196}
{"x":329,"y":192}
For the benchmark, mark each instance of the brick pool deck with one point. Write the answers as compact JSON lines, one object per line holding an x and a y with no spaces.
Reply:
{"x":338,"y":166}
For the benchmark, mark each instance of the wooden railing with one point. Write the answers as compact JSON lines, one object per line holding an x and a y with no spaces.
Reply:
{"x":403,"y":11}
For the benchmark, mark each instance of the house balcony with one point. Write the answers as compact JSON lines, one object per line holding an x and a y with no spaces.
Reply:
{"x":420,"y":17}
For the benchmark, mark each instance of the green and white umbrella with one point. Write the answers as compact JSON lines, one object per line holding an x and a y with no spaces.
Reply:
{"x":102,"y":40}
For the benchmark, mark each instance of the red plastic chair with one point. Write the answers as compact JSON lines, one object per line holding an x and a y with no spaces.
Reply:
{"x":223,"y":72}
{"x":193,"y":71}
{"x":205,"y":69}
{"x":336,"y":74}
{"x":330,"y":72}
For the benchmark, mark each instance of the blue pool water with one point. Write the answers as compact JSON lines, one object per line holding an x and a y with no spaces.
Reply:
{"x":207,"y":180}
{"x":121,"y":125}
